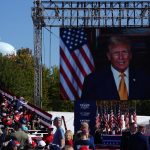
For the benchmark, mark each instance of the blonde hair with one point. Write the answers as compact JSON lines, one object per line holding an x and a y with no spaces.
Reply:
{"x":84,"y":125}
{"x":70,"y":133}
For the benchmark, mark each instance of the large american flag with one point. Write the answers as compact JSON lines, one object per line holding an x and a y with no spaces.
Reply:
{"x":76,"y":62}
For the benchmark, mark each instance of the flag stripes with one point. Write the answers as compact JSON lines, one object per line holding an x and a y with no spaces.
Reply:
{"x":76,"y":62}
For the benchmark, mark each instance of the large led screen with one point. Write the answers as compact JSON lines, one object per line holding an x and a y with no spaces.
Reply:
{"x":93,"y":59}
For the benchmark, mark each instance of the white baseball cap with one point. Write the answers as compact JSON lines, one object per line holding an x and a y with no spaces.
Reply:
{"x":41,"y":143}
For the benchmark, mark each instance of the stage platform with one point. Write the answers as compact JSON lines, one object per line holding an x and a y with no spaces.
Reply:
{"x":109,"y":142}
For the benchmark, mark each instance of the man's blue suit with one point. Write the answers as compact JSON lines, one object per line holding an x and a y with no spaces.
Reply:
{"x":100,"y":85}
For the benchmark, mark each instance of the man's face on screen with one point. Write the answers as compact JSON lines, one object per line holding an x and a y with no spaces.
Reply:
{"x":119,"y":56}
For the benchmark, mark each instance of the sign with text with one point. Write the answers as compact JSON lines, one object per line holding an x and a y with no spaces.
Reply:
{"x":85,"y":111}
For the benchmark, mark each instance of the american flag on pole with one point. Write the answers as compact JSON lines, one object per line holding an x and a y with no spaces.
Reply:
{"x":76,"y":62}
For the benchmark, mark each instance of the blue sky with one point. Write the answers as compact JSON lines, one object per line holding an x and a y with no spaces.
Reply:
{"x":16,"y":28}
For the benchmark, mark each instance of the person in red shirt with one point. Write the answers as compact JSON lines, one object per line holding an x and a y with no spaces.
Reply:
{"x":17,"y":116}
{"x":48,"y":138}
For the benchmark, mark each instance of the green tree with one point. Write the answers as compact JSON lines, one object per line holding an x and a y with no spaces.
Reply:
{"x":17,"y":76}
{"x":17,"y":73}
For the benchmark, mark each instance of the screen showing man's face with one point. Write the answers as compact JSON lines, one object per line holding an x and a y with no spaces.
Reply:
{"x":92,"y":58}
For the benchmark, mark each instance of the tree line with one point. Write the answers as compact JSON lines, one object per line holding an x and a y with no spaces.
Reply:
{"x":17,"y":77}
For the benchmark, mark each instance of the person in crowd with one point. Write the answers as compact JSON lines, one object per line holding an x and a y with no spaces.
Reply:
{"x":84,"y":141}
{"x":84,"y":128}
{"x":119,"y":81}
{"x":13,"y":145}
{"x":127,"y":135}
{"x":23,"y":125}
{"x":59,"y":135}
{"x":48,"y":138}
{"x":3,"y":109}
{"x":98,"y":136}
{"x":14,"y":102}
{"x":21,"y":136}
{"x":139,"y":141}
{"x":21,"y":102}
{"x":35,"y":124}
{"x":69,"y":138}
{"x":41,"y":145}
{"x":16,"y":116}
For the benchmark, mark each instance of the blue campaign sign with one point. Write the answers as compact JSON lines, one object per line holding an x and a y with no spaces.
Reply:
{"x":85,"y":111}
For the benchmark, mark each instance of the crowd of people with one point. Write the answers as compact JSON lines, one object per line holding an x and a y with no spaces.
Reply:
{"x":17,"y":125}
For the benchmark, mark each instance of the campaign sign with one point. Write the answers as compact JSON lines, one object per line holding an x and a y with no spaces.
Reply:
{"x":84,"y":111}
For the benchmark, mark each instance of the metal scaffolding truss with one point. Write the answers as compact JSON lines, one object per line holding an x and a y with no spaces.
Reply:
{"x":48,"y":13}
{"x":95,"y":14}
